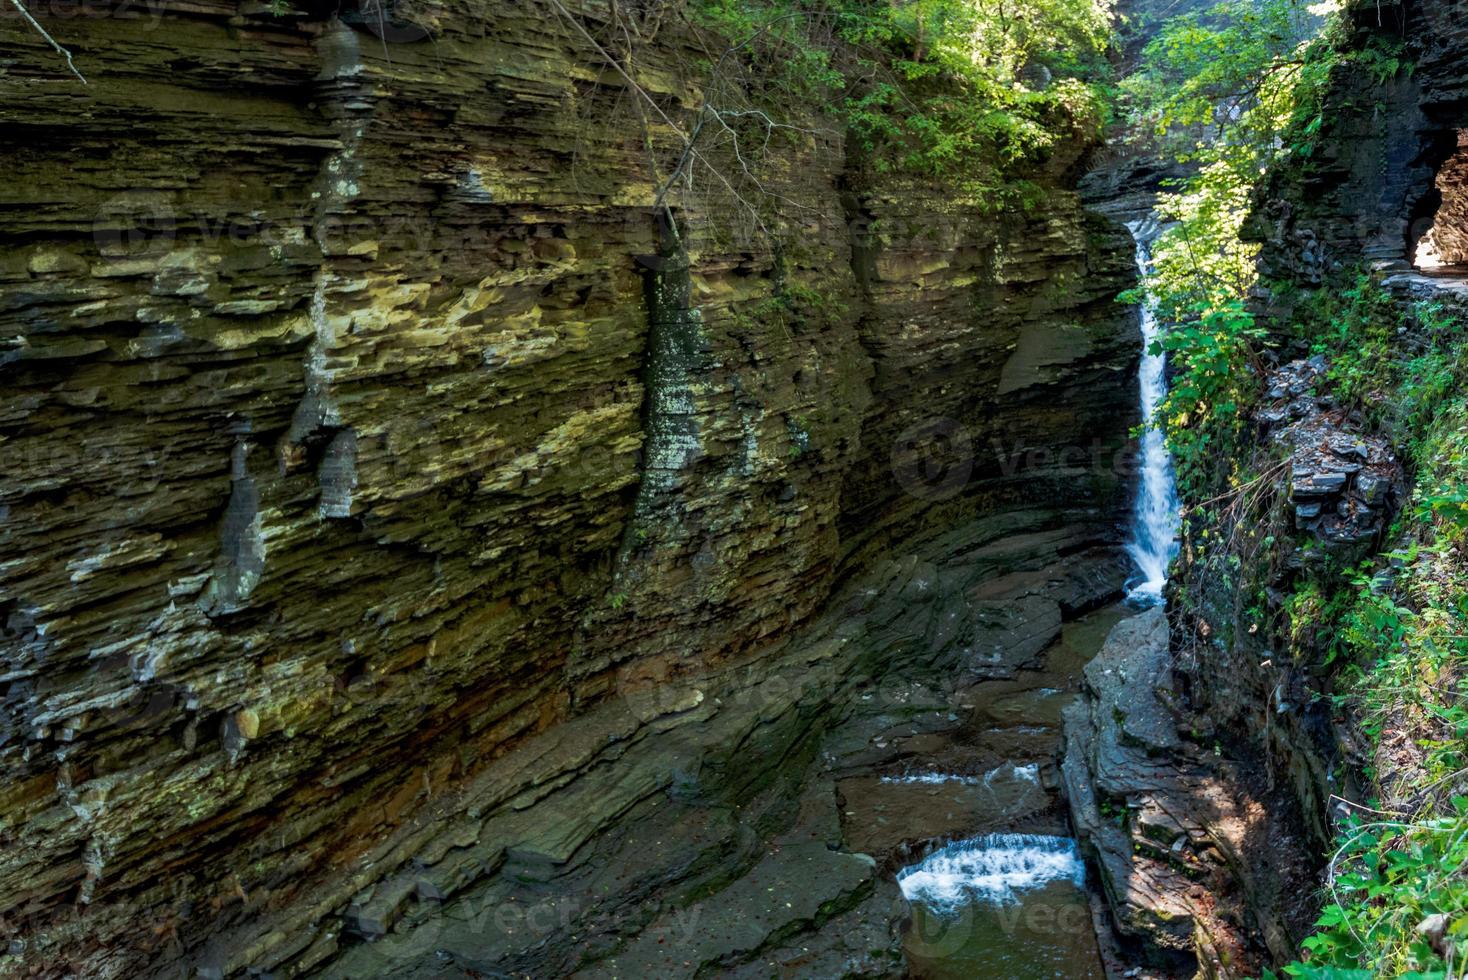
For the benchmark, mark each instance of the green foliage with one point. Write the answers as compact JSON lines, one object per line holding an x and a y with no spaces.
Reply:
{"x":793,"y":307}
{"x":1239,"y":91}
{"x":1388,"y":877}
{"x":1232,"y":90}
{"x":1201,"y":275}
{"x":1317,"y":614}
{"x":1248,"y":78}
{"x":1236,"y":68}
{"x":1354,"y":327}
{"x":1359,"y":328}
{"x":966,"y":91}
{"x":1211,"y":351}
{"x":1400,"y":625}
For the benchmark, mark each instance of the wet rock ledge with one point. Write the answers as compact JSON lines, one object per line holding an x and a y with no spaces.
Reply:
{"x":1195,"y":852}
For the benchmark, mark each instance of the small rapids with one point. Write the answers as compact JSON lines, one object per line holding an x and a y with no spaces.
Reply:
{"x":990,"y":869}
{"x":1025,"y":774}
{"x":1155,"y":516}
{"x":1006,"y":897}
{"x":931,"y":779}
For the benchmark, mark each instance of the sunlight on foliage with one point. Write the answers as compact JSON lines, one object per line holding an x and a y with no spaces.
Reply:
{"x":1228,"y":90}
{"x":977,"y":92}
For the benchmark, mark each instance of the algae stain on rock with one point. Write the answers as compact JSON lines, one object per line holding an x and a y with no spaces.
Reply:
{"x":241,"y":562}
{"x":337,"y":475}
{"x":675,"y":343}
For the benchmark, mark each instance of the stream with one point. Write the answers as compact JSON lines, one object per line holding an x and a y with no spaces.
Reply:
{"x":934,"y":799}
{"x":1005,"y":898}
{"x":1009,"y":899}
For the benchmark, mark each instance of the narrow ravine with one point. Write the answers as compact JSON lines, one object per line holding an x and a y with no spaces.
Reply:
{"x":1013,"y":901}
{"x":693,"y":489}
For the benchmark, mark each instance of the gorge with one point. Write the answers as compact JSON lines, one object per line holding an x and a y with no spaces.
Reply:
{"x":654,"y":488}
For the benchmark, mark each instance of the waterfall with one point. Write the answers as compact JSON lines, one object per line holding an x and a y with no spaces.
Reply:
{"x":1155,"y":516}
{"x":991,"y":869}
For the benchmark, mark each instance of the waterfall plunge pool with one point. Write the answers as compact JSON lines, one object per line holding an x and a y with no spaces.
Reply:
{"x":1001,"y":905}
{"x":999,"y":892}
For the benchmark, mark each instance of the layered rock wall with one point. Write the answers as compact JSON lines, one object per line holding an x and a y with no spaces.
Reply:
{"x":1366,"y":193}
{"x":364,"y":425}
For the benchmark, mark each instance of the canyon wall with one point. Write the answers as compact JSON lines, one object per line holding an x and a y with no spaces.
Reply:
{"x":1319,"y":478}
{"x":1367,"y":194}
{"x":1383,"y":176}
{"x":378,"y":462}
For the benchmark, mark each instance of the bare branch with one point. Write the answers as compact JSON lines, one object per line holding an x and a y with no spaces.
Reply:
{"x":770,"y":123}
{"x":609,"y":59}
{"x":693,"y":149}
{"x":744,"y":165}
{"x":49,"y":39}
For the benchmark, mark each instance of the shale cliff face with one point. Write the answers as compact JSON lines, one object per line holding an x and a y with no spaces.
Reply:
{"x":1388,"y":164}
{"x":376,"y":467}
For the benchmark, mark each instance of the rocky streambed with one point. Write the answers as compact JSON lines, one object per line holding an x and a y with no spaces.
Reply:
{"x":1007,"y":897}
{"x":753,"y":821}
{"x":951,"y":757}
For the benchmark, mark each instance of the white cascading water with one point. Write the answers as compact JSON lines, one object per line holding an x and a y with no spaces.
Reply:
{"x":990,"y":869}
{"x":1008,"y":772}
{"x":1155,"y":517}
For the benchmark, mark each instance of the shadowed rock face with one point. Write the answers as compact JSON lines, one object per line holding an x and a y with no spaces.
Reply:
{"x":373,"y":466}
{"x":1388,"y":163}
{"x":1196,"y":852}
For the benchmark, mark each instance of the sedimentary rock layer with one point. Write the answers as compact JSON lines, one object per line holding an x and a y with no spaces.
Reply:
{"x":1367,"y":192}
{"x":1196,"y":855}
{"x":364,"y":425}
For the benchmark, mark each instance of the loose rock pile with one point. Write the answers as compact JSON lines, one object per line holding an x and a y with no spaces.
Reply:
{"x":1342,"y":482}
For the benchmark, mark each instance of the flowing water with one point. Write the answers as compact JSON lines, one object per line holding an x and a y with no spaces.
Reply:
{"x":1001,"y":907}
{"x":1004,"y":897}
{"x":1008,"y":905}
{"x":1155,"y":516}
{"x":991,"y":868}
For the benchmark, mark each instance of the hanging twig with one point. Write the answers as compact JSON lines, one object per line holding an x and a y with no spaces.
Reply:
{"x":607,"y":56}
{"x":690,"y":150}
{"x":49,"y":39}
